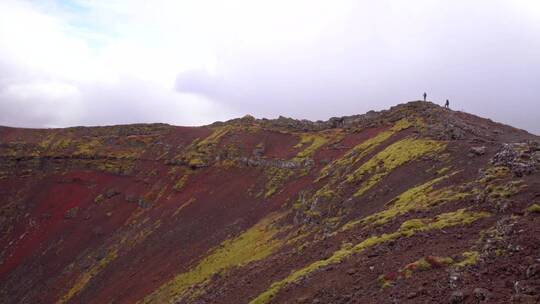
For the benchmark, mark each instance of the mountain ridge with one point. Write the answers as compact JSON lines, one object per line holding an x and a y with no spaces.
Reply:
{"x":312,"y":125}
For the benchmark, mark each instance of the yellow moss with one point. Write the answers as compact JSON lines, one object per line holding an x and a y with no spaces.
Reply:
{"x":534,"y":208}
{"x":311,"y":142}
{"x":161,"y":192}
{"x":276,"y":178}
{"x":173,"y":170}
{"x":86,"y":276}
{"x":324,"y":192}
{"x":128,"y":154}
{"x":184,"y":205}
{"x":470,"y":258}
{"x":417,"y":198}
{"x":402,"y":125}
{"x":99,"y":199}
{"x":199,"y":152}
{"x":132,"y":239}
{"x":407,"y":229}
{"x":355,"y":154}
{"x":115,"y":166}
{"x":181,"y":182}
{"x":44,"y":144}
{"x":421,"y":264}
{"x":494,"y":173}
{"x":459,"y":217}
{"x":412,"y":225}
{"x":506,"y":190}
{"x":87,"y":147}
{"x":297,"y":235}
{"x":384,"y":281}
{"x":424,"y":264}
{"x":337,"y":167}
{"x":215,"y":137}
{"x":61,"y":144}
{"x":228,"y":163}
{"x":395,"y":155}
{"x":125,"y":239}
{"x":442,"y":261}
{"x":196,"y":161}
{"x":443,"y":170}
{"x":254,"y":244}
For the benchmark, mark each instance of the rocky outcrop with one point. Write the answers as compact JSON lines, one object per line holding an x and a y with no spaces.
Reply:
{"x":520,"y":158}
{"x":275,"y":163}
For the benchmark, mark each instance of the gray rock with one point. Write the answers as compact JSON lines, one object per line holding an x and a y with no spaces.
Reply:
{"x":143,"y":203}
{"x":478,"y":150}
{"x":276,"y":163}
{"x":456,"y":297}
{"x":524,"y":299}
{"x":526,"y":287}
{"x":520,"y":158}
{"x":533,"y":271}
{"x":412,"y":295}
{"x":258,"y":151}
{"x":481,"y":294}
{"x":98,"y":231}
{"x":71,"y":213}
{"x":131,"y":198}
{"x":111,"y":193}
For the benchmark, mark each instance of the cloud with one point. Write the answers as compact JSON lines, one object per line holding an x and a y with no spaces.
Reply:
{"x":51,"y":76}
{"x":81,"y":62}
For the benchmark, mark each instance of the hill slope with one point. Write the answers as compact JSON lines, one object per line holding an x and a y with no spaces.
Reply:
{"x":416,"y":204}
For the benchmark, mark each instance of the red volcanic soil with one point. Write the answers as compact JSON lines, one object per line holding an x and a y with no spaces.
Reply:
{"x":241,"y":212}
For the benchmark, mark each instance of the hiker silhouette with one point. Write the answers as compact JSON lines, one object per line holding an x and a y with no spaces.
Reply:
{"x":447,"y":104}
{"x":425,"y":96}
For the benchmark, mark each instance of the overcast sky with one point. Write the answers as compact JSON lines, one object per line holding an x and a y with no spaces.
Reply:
{"x":95,"y":62}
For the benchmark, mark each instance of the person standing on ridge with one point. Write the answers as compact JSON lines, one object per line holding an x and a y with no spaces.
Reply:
{"x":447,"y":104}
{"x":425,"y":96}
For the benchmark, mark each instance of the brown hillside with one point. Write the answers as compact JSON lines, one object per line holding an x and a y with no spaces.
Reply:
{"x":416,"y":204}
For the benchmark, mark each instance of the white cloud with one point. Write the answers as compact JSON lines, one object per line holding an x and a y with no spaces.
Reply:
{"x":53,"y":73}
{"x":193,"y":62}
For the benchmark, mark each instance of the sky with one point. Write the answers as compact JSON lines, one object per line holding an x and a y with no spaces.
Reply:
{"x":193,"y":62}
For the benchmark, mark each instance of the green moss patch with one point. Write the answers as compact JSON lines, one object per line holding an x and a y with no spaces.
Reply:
{"x":395,"y":155}
{"x":254,"y":244}
{"x":469,"y":258}
{"x":276,"y":178}
{"x":421,"y":197}
{"x":494,"y":173}
{"x":507,"y":190}
{"x":199,"y":153}
{"x":362,"y":150}
{"x":534,"y":208}
{"x":181,"y":182}
{"x":87,"y":275}
{"x":407,"y":229}
{"x":310,"y":143}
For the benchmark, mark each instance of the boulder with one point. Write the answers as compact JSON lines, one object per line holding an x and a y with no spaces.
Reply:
{"x":533,"y":271}
{"x":71,"y":213}
{"x":456,"y":297}
{"x":143,"y":203}
{"x":478,"y":151}
{"x":111,"y":193}
{"x":524,"y":299}
{"x":481,"y":294}
{"x":518,"y":157}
